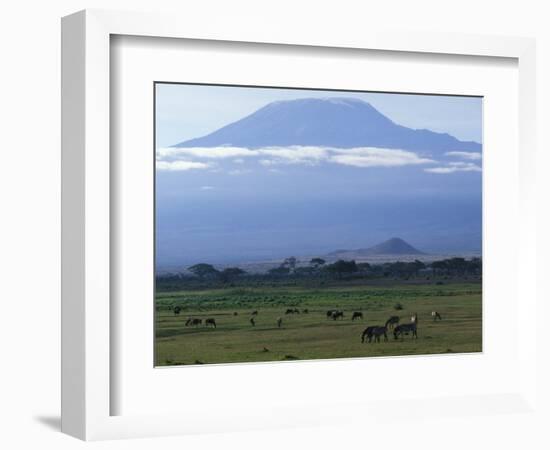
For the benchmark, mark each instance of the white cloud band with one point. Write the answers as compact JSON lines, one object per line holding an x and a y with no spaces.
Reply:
{"x":362,"y":157}
{"x":474,"y":156}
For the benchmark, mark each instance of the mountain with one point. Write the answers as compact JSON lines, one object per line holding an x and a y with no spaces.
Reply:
{"x":394,"y":246}
{"x":330,"y":122}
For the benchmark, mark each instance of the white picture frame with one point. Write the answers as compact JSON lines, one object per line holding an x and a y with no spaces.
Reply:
{"x":87,"y":384}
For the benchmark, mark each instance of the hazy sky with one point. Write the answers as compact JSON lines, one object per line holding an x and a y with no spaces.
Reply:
{"x":230,"y":204}
{"x":189,"y":111}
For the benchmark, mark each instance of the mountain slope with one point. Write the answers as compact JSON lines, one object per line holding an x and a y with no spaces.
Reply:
{"x":394,"y":246}
{"x":331,"y":122}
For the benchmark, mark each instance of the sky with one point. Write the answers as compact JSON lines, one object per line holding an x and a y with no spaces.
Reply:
{"x":227,"y":205}
{"x":189,"y":111}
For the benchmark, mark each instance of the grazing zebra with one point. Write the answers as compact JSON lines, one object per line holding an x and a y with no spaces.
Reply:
{"x":406,"y":328}
{"x":357,"y":315}
{"x":377,"y":332}
{"x":279,"y":322}
{"x":367,"y":334}
{"x":436,"y":315}
{"x":374,"y":332}
{"x":252,"y":321}
{"x":177,"y":311}
{"x":210,"y":321}
{"x":337,"y":314}
{"x":392,"y":322}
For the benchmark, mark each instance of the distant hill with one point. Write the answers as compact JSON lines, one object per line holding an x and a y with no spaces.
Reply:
{"x":394,"y":247}
{"x":329,"y":122}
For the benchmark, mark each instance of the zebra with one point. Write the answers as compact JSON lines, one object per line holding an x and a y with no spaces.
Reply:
{"x":436,"y":315}
{"x":392,"y":322}
{"x":379,"y":331}
{"x":406,"y":328}
{"x":367,"y":334}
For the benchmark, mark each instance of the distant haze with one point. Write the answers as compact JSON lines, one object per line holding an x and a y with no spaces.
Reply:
{"x":311,"y":176}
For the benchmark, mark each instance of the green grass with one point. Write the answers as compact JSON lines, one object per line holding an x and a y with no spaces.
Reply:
{"x":312,"y":335}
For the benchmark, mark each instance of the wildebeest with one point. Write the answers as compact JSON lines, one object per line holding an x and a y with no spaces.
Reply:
{"x":337,"y":315}
{"x":177,"y":310}
{"x":436,"y":315}
{"x":305,"y":311}
{"x":235,"y":313}
{"x":279,"y":322}
{"x":330,"y":312}
{"x":406,"y":328}
{"x":252,"y":321}
{"x":254,"y":313}
{"x":357,"y":315}
{"x":192,"y":321}
{"x":210,"y":321}
{"x":392,"y":321}
{"x":292,"y":311}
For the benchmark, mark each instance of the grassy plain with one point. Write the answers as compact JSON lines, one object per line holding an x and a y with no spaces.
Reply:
{"x":311,"y":335}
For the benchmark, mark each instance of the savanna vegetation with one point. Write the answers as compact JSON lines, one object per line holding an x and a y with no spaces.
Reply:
{"x":222,"y":315}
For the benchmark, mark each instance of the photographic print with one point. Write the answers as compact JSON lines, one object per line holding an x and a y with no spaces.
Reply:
{"x":299,"y":224}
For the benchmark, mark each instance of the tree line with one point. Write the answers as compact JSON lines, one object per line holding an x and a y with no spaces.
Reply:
{"x":456,"y":266}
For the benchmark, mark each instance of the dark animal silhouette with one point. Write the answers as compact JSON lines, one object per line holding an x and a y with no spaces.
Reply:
{"x":292,"y":311}
{"x":210,"y":321}
{"x":252,"y":321}
{"x":337,"y":315}
{"x":305,"y":311}
{"x":367,"y":334}
{"x":279,"y":322}
{"x":357,"y":315}
{"x":177,"y":311}
{"x":235,"y":313}
{"x":436,"y":315}
{"x":406,"y":328}
{"x":377,"y":332}
{"x":192,"y":321}
{"x":330,"y":312}
{"x":254,"y":313}
{"x":392,"y":322}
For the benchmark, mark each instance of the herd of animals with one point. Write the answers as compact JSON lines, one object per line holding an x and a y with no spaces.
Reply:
{"x":370,"y":334}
